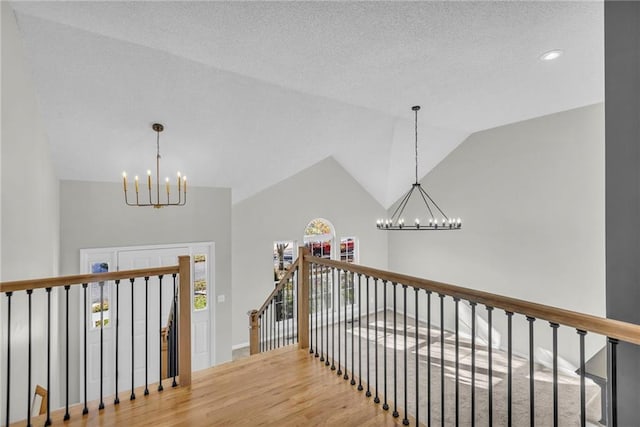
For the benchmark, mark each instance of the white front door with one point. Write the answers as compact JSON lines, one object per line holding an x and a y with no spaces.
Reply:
{"x":146,"y":335}
{"x":144,"y":338}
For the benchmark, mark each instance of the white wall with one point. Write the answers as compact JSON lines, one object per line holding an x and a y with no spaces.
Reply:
{"x":94,"y":215}
{"x":531,"y":196}
{"x":281,"y":212}
{"x":30,"y":218}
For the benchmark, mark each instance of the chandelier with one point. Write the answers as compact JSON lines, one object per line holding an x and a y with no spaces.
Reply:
{"x":157,"y":203}
{"x":437,"y":219}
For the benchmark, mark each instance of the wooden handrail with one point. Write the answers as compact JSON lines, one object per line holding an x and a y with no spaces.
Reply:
{"x":623,"y":331}
{"x":52,"y":282}
{"x":285,"y":279}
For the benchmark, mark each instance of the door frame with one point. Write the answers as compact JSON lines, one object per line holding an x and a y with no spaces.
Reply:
{"x":110,"y":254}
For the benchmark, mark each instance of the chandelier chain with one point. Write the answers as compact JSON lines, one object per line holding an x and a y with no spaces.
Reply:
{"x":416,"y":125}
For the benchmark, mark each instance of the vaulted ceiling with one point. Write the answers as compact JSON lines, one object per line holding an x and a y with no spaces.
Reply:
{"x":253,"y":92}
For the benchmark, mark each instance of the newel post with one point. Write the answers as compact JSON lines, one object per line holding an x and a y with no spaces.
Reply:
{"x":254,"y":334}
{"x":184,"y":323}
{"x":303,"y":298}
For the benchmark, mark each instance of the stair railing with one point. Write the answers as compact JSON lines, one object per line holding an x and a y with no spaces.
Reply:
{"x":179,"y":277}
{"x":277,"y":322}
{"x":404,"y":347}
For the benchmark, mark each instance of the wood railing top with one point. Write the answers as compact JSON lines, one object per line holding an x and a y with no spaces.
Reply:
{"x":285,"y":279}
{"x":623,"y":331}
{"x":52,"y":282}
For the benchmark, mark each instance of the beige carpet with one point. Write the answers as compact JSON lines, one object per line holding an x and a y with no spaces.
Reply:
{"x":568,"y":386}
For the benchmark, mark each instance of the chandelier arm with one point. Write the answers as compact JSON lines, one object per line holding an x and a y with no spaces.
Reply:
{"x":425,"y":202}
{"x":434,"y":203}
{"x":400,"y":208}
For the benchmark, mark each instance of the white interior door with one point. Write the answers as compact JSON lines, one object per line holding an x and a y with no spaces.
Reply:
{"x":145,"y":339}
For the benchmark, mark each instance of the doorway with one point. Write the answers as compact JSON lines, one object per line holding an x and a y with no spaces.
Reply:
{"x":102,"y":304}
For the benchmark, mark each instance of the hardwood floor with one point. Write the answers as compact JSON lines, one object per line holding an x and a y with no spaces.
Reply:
{"x":285,"y":387}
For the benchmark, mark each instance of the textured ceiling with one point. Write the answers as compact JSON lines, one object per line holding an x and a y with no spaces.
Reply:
{"x":253,"y":92}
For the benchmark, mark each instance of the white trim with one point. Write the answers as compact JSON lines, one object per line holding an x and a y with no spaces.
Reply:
{"x":240,"y":346}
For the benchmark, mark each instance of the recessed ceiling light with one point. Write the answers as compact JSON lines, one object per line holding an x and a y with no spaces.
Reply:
{"x":551,"y":55}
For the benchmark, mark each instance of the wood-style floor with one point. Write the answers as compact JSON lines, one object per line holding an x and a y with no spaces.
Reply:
{"x":284,"y":387}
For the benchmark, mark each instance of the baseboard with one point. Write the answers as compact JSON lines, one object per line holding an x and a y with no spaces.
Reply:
{"x":240,"y":346}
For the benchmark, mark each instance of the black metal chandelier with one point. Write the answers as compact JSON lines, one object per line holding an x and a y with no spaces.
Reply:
{"x":181,"y":200}
{"x":436,"y":218}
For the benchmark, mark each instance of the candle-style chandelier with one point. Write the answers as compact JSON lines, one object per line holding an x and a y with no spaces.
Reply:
{"x":437,"y":219}
{"x":157,"y":203}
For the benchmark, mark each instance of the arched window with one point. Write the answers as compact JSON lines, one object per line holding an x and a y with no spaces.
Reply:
{"x":319,"y":237}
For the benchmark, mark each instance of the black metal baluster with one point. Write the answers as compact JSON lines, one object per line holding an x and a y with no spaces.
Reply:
{"x":285,"y":319}
{"x":133,"y":321}
{"x":29,"y":292}
{"x":339,"y":372}
{"x":279,"y":322}
{"x":333,"y":317}
{"x":442,"y":359}
{"x":395,"y":353}
{"x":583,"y":401}
{"x":314,"y":295}
{"x":271,"y":330}
{"x":428,"y":358}
{"x":360,"y":388}
{"x":267,"y":329}
{"x":612,"y":370}
{"x":405,"y":420}
{"x":101,"y":284}
{"x":532,"y":406}
{"x":295,"y":304}
{"x":509,"y":366}
{"x":48,"y":421}
{"x":174,"y":327}
{"x":490,"y":357}
{"x":346,"y":355}
{"x":160,"y":388}
{"x":85,"y":410}
{"x":376,"y":399}
{"x":368,"y":392}
{"x":117,"y":399}
{"x":146,"y":336}
{"x":287,"y":294}
{"x":326,"y":363}
{"x":9,"y":294}
{"x":554,"y":328}
{"x":66,"y":405}
{"x":417,"y":348}
{"x":321,"y":313}
{"x":353,"y":366}
{"x":260,"y":332}
{"x":473,"y":363}
{"x":385,"y":405}
{"x":457,"y":362}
